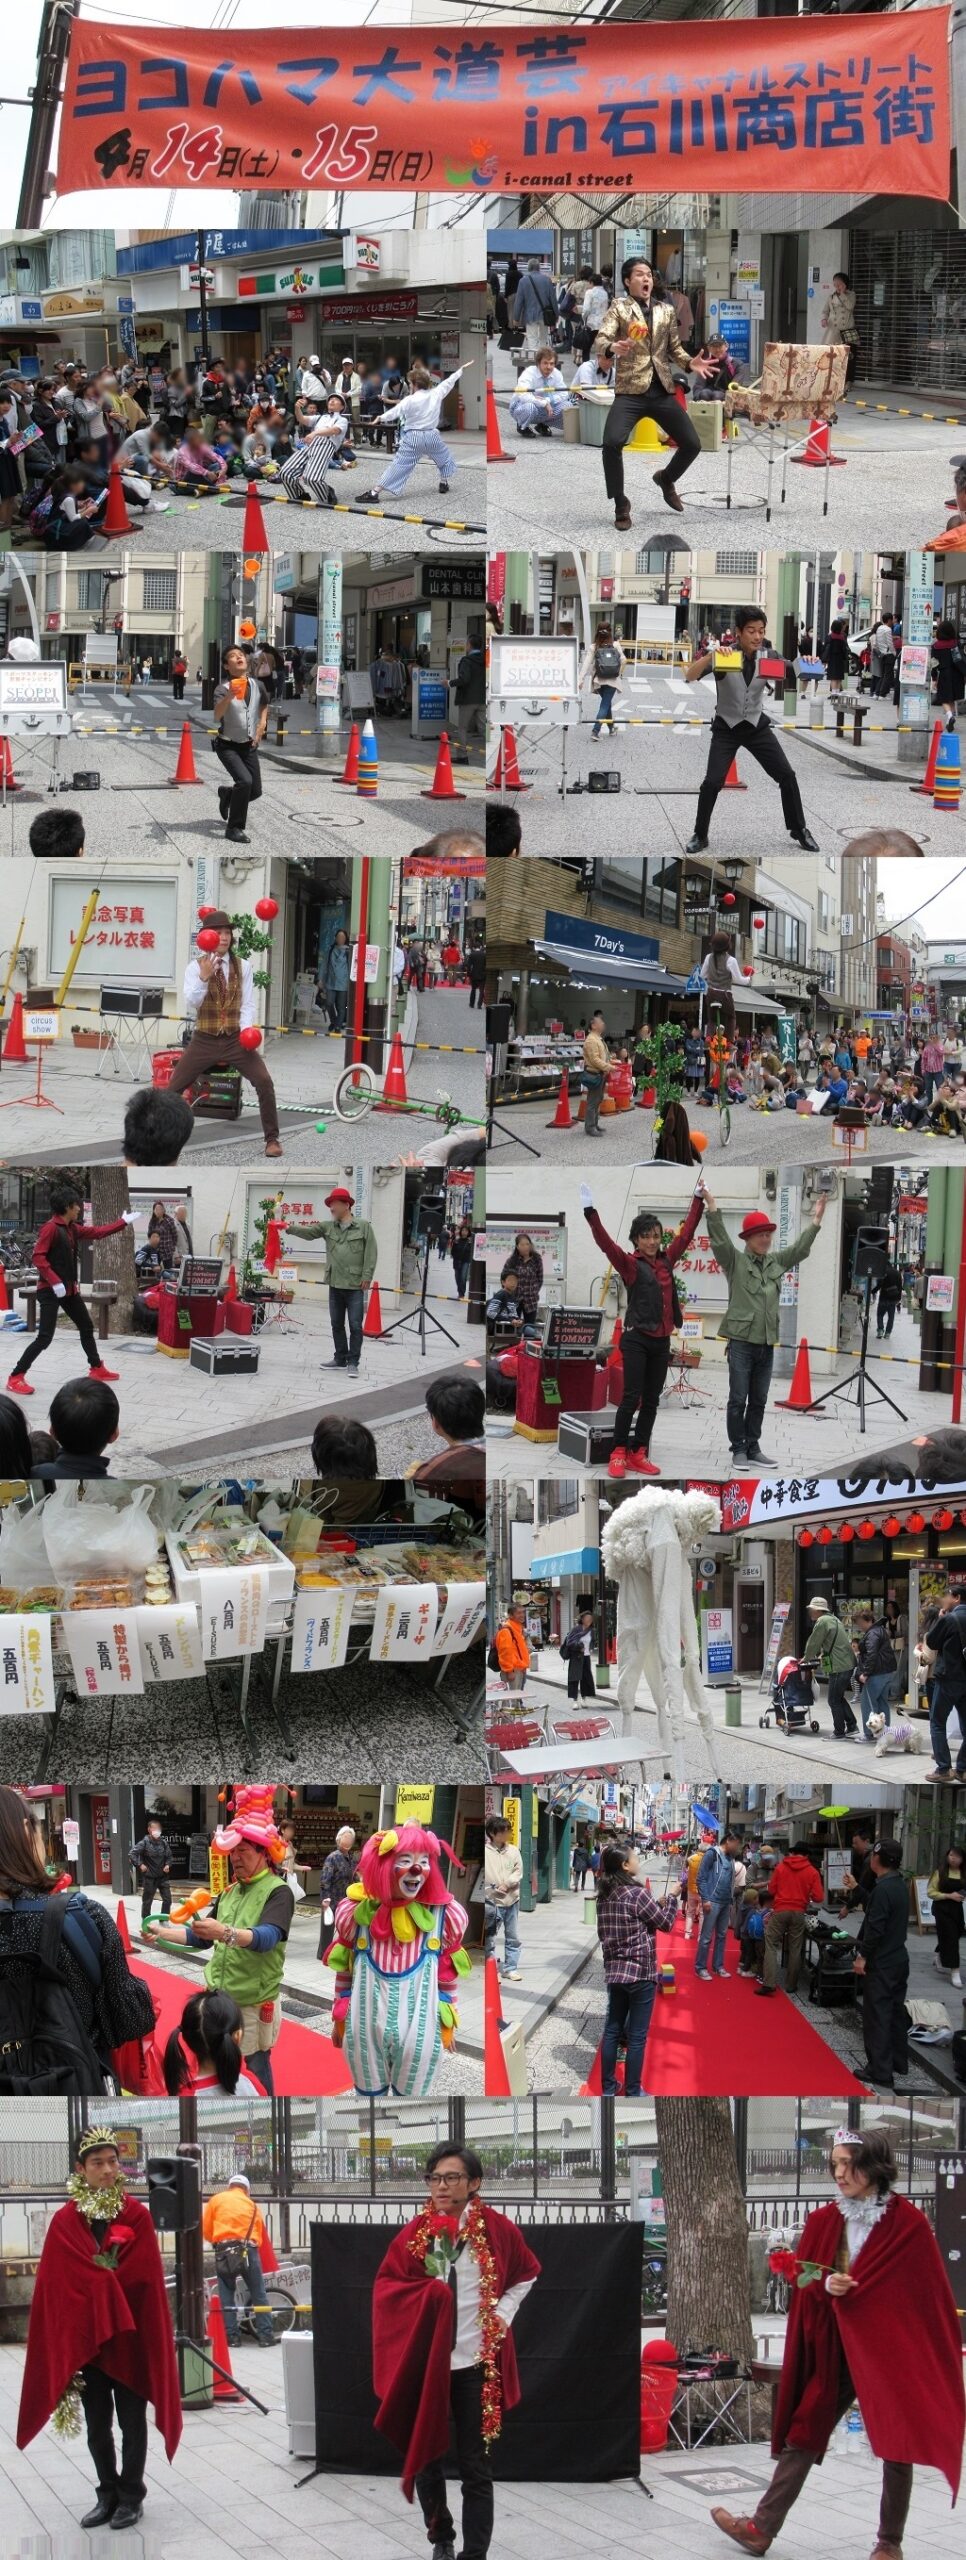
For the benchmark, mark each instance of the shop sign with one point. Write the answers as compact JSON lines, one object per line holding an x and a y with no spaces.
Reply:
{"x":80,"y":302}
{"x":370,"y":307}
{"x":459,"y":581}
{"x":132,"y":935}
{"x":362,"y":249}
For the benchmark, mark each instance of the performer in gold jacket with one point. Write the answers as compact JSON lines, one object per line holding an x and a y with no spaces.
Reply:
{"x":642,"y":328}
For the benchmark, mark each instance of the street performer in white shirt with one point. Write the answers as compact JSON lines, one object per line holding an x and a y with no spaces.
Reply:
{"x":418,"y":418}
{"x":219,"y":991}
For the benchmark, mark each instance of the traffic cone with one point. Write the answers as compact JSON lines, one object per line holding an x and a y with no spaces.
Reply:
{"x":614,"y":1352}
{"x":224,"y":2388}
{"x":351,"y":773}
{"x":646,"y":438}
{"x":231,"y":1286}
{"x":185,"y":768}
{"x":818,"y":448}
{"x":15,"y":1046}
{"x":732,"y":780}
{"x":948,"y":778}
{"x":494,"y":446}
{"x":373,"y":1321}
{"x":394,"y":1089}
{"x":496,"y":2078}
{"x":4,"y":1292}
{"x":563,"y":1117}
{"x":444,"y":787}
{"x":800,"y":1398}
{"x":367,"y":778}
{"x":115,"y":518}
{"x":507,"y":775}
{"x":924,"y":788}
{"x":122,"y":1928}
{"x":7,"y":774}
{"x":254,"y":536}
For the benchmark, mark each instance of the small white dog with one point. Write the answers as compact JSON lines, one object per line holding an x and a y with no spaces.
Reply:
{"x":895,"y":1737}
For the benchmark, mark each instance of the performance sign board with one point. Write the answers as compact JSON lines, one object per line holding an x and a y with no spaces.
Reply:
{"x":806,"y":101}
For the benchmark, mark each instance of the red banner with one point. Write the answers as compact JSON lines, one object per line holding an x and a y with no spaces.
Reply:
{"x":798,"y":104}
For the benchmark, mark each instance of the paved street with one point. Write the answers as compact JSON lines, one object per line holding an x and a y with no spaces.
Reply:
{"x":132,"y":742}
{"x":898,"y":472}
{"x":233,"y":2493}
{"x":304,"y":1066}
{"x":660,"y":751}
{"x":215,"y":523}
{"x":756,"y":1137}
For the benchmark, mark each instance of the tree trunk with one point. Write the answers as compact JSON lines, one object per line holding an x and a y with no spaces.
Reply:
{"x":114,"y":1258}
{"x":709,"y":2289}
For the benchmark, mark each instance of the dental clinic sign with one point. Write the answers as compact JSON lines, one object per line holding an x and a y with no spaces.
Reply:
{"x":572,"y":934}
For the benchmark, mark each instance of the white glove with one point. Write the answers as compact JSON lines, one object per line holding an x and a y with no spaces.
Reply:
{"x":129,"y":1217}
{"x":586,"y":1197}
{"x":59,"y":1289}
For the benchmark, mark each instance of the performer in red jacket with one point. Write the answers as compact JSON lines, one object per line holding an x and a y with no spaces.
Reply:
{"x":874,"y":2278}
{"x":446,"y":2293}
{"x":55,"y":1262}
{"x":100,"y":2338}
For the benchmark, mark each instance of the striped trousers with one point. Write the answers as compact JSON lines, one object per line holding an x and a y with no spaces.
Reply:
{"x":417,"y":444}
{"x":392,"y":2037}
{"x":307,"y":469}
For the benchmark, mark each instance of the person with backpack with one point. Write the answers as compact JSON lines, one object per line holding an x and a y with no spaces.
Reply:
{"x":830,"y":1645}
{"x":603,"y":666}
{"x":151,"y":1860}
{"x":888,"y":1297}
{"x":576,"y":1651}
{"x":509,"y":1652}
{"x":100,"y":2342}
{"x":67,"y":1997}
{"x":945,"y":1651}
{"x":233,"y":2226}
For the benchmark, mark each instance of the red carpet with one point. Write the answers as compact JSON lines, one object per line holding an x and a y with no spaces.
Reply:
{"x":716,"y":2040}
{"x":304,"y":2065}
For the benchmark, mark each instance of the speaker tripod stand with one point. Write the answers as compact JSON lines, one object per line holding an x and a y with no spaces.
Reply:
{"x":858,"y":1379}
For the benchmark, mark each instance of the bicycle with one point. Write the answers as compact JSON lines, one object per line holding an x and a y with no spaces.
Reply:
{"x":284,"y":2299}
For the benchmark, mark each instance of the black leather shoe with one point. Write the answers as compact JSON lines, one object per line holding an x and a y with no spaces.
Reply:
{"x":805,"y":839}
{"x":696,"y":844}
{"x":125,"y":2516}
{"x":102,"y":2512}
{"x":236,"y":835}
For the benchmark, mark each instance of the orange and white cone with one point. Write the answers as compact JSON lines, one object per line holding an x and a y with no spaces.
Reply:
{"x":444,"y":787}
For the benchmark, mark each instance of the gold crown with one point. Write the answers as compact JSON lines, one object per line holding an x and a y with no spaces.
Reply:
{"x":98,"y":2137}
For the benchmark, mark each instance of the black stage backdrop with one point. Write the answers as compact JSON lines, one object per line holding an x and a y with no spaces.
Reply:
{"x":578,"y":2343}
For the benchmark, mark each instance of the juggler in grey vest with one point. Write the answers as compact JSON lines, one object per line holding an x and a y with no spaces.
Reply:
{"x":737,"y":700}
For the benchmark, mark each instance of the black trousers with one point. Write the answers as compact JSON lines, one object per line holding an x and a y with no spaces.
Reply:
{"x":622,"y":418}
{"x":48,"y":1309}
{"x":244,"y":773}
{"x":645,"y":1369}
{"x":150,"y":1885}
{"x":476,"y":2477}
{"x":101,"y":2398}
{"x":842,"y":1716}
{"x":885,"y":2025}
{"x":476,"y":993}
{"x":580,"y":1677}
{"x":759,"y":741}
{"x":177,"y":688}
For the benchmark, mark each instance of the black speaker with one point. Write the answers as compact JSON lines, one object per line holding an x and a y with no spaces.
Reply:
{"x":87,"y":781}
{"x":174,"y":2193}
{"x":872,"y":1256}
{"x":497,"y":1025}
{"x":603,"y":777}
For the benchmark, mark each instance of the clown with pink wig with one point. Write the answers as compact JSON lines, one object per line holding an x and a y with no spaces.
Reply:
{"x":396,"y":1953}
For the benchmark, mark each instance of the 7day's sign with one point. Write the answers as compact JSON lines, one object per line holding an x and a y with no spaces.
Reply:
{"x":774,"y":103}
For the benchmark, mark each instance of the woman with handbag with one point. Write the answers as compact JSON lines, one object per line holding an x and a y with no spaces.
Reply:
{"x":233,"y":2226}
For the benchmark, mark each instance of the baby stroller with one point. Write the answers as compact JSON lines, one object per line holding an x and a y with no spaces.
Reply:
{"x":791,"y":1697}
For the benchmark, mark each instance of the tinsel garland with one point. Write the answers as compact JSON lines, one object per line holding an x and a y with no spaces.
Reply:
{"x":491,"y":2328}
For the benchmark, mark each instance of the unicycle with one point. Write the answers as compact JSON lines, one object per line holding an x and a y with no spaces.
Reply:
{"x":722,"y":1046}
{"x":355,"y":1092}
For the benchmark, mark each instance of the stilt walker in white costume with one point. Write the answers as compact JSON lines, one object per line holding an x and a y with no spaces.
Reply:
{"x":645,"y":1551}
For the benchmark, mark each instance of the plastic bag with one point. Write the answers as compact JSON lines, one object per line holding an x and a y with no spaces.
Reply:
{"x":24,"y":1560}
{"x":85,"y":1537}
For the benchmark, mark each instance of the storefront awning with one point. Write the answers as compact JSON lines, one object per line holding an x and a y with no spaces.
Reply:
{"x":595,"y":970}
{"x":573,"y":1560}
{"x":871,"y":1486}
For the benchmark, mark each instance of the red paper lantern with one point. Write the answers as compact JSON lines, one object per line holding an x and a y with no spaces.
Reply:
{"x":759,"y":923}
{"x":806,"y":1538}
{"x":942,"y":1519}
{"x":825,"y":1537}
{"x":208,"y":939}
{"x":729,"y":899}
{"x":915,"y":1522}
{"x":846,"y":1534}
{"x":267,"y":909}
{"x":891,"y":1526}
{"x":252,"y":1038}
{"x":866,"y":1529}
{"x":205,"y":912}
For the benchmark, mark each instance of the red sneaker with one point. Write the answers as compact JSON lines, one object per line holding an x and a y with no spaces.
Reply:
{"x":617,"y":1463}
{"x":640,"y":1464}
{"x":18,"y":1386}
{"x":107,"y":1375}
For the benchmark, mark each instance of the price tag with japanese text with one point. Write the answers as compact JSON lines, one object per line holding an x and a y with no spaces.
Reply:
{"x":460,"y":1618}
{"x":26,"y":1666}
{"x":321,"y":1621}
{"x":405,"y":1623}
{"x":170,"y":1641}
{"x":234,"y":1613}
{"x":104,"y":1652}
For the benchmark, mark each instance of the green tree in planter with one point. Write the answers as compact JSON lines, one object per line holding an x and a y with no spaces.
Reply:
{"x":251,"y":937}
{"x":668,"y":1048}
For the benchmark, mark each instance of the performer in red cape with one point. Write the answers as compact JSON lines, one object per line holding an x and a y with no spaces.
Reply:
{"x":873,"y":2277}
{"x":446,"y":2293}
{"x":100,"y":2336}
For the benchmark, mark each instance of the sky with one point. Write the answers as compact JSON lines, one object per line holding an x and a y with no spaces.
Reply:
{"x":907,"y":886}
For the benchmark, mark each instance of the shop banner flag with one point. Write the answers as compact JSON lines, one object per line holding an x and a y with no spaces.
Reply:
{"x":804,"y":105}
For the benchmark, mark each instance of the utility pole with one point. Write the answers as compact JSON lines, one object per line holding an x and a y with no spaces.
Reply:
{"x":203,"y":299}
{"x":55,"y":27}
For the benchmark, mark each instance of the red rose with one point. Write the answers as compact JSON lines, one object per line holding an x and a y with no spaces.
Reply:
{"x":118,"y":2235}
{"x":445,"y":2226}
{"x":783,"y":2262}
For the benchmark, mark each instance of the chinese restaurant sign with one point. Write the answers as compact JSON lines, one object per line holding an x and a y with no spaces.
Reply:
{"x":795,"y":104}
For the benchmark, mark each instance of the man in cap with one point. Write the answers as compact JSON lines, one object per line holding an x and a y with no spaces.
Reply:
{"x":219,"y":994}
{"x":246,"y":1927}
{"x":235,"y":2230}
{"x":830,"y":1644}
{"x":100,"y":2342}
{"x":352,"y":1254}
{"x":749,"y":1324}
